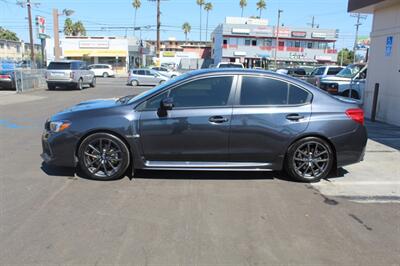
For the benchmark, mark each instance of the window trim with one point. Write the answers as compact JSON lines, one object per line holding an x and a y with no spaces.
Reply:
{"x":229,"y":104}
{"x":237,"y":104}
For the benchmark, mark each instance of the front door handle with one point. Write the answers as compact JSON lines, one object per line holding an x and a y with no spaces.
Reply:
{"x":294,"y":117}
{"x":218,"y":119}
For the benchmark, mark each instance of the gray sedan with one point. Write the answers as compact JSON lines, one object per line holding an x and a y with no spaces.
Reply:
{"x":145,"y":77}
{"x":214,"y":119}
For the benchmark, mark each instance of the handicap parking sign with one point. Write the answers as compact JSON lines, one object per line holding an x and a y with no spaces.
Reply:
{"x":389,"y":45}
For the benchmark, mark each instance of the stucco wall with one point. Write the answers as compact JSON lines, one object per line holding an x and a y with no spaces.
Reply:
{"x":385,"y":69}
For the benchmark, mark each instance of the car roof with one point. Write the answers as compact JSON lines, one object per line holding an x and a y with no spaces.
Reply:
{"x":66,"y":61}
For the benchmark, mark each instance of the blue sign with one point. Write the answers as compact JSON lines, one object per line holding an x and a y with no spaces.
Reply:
{"x":389,"y":45}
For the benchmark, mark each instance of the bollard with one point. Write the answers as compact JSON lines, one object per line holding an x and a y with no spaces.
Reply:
{"x":375,"y":102}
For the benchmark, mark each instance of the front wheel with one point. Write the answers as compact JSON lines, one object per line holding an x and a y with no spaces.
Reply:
{"x":309,"y":159}
{"x":103,"y":156}
{"x":105,"y":75}
{"x":134,"y":83}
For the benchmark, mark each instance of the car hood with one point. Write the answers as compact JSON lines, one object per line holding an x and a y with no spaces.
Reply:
{"x":88,"y":105}
{"x":335,"y":79}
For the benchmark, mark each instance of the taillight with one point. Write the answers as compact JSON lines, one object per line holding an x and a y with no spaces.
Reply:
{"x":356,"y":115}
{"x":5,"y":76}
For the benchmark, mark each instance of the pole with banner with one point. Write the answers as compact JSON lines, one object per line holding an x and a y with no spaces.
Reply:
{"x":41,"y":34}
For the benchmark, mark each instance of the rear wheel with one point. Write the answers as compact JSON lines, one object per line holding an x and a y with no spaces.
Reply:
{"x":309,"y":159}
{"x":103,"y":156}
{"x":93,"y":83}
{"x":134,"y":83}
{"x":105,"y":75}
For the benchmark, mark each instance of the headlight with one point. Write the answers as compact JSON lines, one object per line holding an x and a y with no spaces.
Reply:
{"x":58,"y":126}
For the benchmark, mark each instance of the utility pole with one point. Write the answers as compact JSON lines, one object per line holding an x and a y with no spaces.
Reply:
{"x":158,"y":30}
{"x":32,"y":45}
{"x":277,"y":37}
{"x":358,"y":24}
{"x":28,"y":5}
{"x":57,"y":52}
{"x":313,"y":24}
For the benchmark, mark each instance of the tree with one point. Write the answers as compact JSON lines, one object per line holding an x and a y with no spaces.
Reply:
{"x":68,"y":27}
{"x":261,"y":5}
{"x":8,"y":35}
{"x":207,"y":7}
{"x":136,"y":5}
{"x":243,"y":4}
{"x":186,"y":29}
{"x":79,"y":29}
{"x":345,"y":57}
{"x":200,"y":3}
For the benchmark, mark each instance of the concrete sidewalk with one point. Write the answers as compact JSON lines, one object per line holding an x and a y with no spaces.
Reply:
{"x":377,"y":178}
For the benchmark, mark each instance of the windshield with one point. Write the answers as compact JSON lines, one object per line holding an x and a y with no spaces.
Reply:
{"x":155,"y":89}
{"x":350,"y":71}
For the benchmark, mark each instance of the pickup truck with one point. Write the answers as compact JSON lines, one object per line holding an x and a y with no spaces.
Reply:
{"x":349,"y":82}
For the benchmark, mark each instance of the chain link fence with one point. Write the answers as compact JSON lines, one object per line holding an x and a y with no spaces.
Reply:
{"x":27,"y":79}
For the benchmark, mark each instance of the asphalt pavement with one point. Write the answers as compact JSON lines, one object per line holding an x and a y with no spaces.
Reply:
{"x":53,"y":216}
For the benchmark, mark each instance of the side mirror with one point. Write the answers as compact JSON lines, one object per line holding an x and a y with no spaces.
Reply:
{"x":167,"y":104}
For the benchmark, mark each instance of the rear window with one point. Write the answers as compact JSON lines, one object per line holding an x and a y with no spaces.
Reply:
{"x":59,"y":66}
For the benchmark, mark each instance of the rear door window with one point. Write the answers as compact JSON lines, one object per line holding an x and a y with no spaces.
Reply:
{"x":334,"y":70}
{"x":142,"y":72}
{"x":318,"y":71}
{"x":267,"y":91}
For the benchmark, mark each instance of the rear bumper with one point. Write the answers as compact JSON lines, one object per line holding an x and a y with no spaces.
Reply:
{"x":7,"y":83}
{"x":350,"y":148}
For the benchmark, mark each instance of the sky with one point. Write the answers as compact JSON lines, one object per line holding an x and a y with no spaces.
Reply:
{"x":99,"y":15}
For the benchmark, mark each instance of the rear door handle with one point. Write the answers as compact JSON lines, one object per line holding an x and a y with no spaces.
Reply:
{"x":294,"y":117}
{"x":218,"y":119}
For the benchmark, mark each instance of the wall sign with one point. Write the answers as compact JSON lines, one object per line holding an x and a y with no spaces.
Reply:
{"x":299,"y":34}
{"x":93,"y":44}
{"x":240,"y":31}
{"x":389,"y":46}
{"x":319,"y":35}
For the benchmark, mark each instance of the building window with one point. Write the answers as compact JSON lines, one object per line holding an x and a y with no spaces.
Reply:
{"x":233,"y":41}
{"x":225,"y":41}
{"x":247,"y":42}
{"x":297,"y":44}
{"x":309,"y":45}
{"x":253,"y":42}
{"x":240,"y":41}
{"x":322,"y":45}
{"x":18,"y":48}
{"x":268,"y":42}
{"x":1,"y":45}
{"x":289,"y":43}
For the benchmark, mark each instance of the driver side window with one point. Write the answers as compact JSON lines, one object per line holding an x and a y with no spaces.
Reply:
{"x":213,"y":91}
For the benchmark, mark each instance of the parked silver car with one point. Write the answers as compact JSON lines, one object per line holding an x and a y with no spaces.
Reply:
{"x":69,"y":74}
{"x":166,"y":72}
{"x":322,"y":72}
{"x":145,"y":77}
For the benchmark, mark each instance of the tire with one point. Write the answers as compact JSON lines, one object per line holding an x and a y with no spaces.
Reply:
{"x":50,"y":87}
{"x":173,"y":76}
{"x":93,"y":83}
{"x":354,"y":94}
{"x":103,"y":156}
{"x":134,"y":83}
{"x":161,"y":82}
{"x":105,"y":75}
{"x":79,"y":85}
{"x":309,"y":159}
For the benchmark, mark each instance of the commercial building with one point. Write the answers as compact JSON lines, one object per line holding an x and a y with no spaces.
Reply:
{"x":119,"y":52}
{"x":16,"y":50}
{"x":253,"y":43}
{"x":384,"y":58}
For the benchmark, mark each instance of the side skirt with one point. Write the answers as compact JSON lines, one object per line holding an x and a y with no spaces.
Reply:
{"x":208,"y":166}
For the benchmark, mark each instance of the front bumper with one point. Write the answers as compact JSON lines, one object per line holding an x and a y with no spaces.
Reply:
{"x":59,"y":149}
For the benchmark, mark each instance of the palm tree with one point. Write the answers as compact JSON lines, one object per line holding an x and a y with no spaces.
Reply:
{"x":186,"y":29}
{"x":207,"y":7}
{"x":243,"y":4}
{"x":136,"y":5}
{"x":200,"y":3}
{"x":68,"y":27}
{"x":79,"y":29}
{"x":261,"y":5}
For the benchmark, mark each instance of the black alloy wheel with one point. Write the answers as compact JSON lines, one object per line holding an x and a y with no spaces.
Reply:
{"x":103,"y":156}
{"x":309,"y":159}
